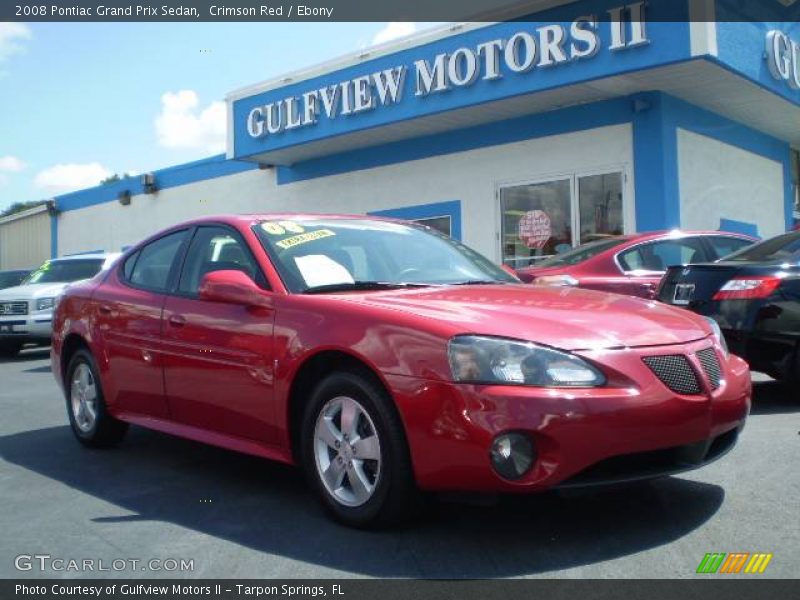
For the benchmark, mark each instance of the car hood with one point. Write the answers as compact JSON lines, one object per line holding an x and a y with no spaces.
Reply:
{"x":32,"y":291}
{"x":568,"y":318}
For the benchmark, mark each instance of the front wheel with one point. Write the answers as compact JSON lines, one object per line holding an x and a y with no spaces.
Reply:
{"x":90,"y":421}
{"x":355,"y":453}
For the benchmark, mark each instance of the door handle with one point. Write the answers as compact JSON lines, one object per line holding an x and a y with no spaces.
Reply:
{"x":104,"y":309}
{"x":177,"y":320}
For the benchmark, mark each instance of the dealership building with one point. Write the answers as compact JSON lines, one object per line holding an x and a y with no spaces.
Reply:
{"x":521,"y":138}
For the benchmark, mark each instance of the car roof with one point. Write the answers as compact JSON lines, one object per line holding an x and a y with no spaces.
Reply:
{"x":87,"y":256}
{"x":680,"y":233}
{"x":249,"y":218}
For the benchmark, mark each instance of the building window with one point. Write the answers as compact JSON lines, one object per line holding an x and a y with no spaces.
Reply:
{"x":442,"y":224}
{"x":442,"y":216}
{"x":545,"y":218}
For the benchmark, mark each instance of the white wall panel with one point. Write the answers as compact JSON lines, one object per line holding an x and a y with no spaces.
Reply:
{"x":471,"y":177}
{"x":719,"y":180}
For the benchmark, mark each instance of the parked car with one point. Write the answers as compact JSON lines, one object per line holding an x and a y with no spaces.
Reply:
{"x":632,"y":264}
{"x":388,"y":359}
{"x":26,"y":310}
{"x":754,"y":295}
{"x":12,"y":278}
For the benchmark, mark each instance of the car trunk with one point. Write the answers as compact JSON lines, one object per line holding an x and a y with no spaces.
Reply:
{"x":697,"y":283}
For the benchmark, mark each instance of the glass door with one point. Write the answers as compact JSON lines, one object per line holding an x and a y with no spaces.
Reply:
{"x":536,"y":221}
{"x":600,"y":206}
{"x":550,"y":217}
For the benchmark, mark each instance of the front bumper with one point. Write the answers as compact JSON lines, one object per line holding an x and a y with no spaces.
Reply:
{"x":35,"y":328}
{"x":635,"y":423}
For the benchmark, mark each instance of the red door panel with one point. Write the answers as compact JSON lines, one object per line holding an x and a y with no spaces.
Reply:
{"x":129,"y":322}
{"x":218,"y":368}
{"x":643,"y":286}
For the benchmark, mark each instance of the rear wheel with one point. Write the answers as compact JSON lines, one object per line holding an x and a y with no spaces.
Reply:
{"x":792,"y":379}
{"x":90,"y":421}
{"x":10,"y":348}
{"x":355,"y":453}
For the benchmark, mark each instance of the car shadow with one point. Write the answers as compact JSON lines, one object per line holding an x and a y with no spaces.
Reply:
{"x":267,"y":507}
{"x":774,"y":397}
{"x":29,"y":354}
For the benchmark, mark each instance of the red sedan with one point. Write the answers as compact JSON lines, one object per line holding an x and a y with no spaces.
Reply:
{"x":632,"y":264}
{"x":387,"y":360}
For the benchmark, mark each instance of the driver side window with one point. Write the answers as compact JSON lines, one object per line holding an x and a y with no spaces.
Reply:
{"x":216,"y":249}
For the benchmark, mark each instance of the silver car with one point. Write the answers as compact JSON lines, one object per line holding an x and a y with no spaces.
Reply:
{"x":26,"y":310}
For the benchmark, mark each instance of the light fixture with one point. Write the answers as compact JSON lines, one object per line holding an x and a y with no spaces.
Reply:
{"x":149,"y":183}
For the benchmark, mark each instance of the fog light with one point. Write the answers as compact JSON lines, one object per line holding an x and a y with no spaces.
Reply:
{"x":512,"y":455}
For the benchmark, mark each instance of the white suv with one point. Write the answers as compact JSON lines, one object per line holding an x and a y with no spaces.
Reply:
{"x":26,"y":311}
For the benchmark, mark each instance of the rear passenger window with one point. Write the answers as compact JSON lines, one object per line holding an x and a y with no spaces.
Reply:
{"x":151,"y":269}
{"x":657,"y":256}
{"x":130,"y":262}
{"x":726,"y":245}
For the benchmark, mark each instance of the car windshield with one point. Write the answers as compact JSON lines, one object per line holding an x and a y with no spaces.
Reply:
{"x":338,"y":254}
{"x":581,"y":253}
{"x":65,"y":271}
{"x":9,"y":278}
{"x":784,"y":247}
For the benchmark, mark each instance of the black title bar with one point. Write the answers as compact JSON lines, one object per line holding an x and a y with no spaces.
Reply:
{"x":386,"y":10}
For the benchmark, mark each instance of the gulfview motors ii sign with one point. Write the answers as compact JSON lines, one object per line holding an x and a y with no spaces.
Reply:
{"x":783,"y":58}
{"x":523,"y":52}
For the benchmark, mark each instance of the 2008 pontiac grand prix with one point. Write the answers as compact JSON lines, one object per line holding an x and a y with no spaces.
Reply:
{"x":389,"y":360}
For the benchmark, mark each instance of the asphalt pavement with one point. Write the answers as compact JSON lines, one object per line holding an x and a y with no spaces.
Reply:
{"x":160,"y":498}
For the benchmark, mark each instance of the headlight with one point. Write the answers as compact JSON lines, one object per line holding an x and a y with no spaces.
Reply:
{"x":556,"y":280}
{"x":479,"y":359}
{"x":718,"y":334}
{"x":45,"y":303}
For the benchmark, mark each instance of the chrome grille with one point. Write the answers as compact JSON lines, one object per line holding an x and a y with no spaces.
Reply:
{"x":710,"y":362}
{"x":675,"y":371}
{"x":13,"y":308}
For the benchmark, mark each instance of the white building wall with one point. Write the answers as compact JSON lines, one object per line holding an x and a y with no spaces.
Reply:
{"x":719,"y":180}
{"x":471,"y":177}
{"x":111,"y":226}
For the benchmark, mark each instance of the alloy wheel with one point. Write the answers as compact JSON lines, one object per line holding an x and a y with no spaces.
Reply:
{"x":347,"y":451}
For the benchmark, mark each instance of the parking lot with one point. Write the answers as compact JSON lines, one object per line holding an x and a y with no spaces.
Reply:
{"x":158,"y":497}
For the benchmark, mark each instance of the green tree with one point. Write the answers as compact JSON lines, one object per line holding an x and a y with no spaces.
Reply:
{"x":21,"y":206}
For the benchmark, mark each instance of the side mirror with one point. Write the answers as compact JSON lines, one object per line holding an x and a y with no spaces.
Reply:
{"x":232,"y":287}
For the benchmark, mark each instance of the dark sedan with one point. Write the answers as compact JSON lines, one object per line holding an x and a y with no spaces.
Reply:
{"x":754,"y":295}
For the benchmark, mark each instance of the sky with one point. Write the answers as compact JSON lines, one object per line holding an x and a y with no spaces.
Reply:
{"x":81,"y":101}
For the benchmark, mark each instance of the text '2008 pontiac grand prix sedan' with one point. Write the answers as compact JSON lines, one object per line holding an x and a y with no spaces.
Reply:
{"x":389,"y":360}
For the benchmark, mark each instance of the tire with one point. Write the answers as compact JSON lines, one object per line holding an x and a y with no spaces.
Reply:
{"x":382,"y":491}
{"x":9,"y":349}
{"x":89,"y":419}
{"x":792,"y":378}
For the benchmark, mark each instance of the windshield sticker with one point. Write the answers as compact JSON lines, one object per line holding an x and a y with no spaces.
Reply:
{"x":303,"y":238}
{"x":281,"y":227}
{"x":318,"y":269}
